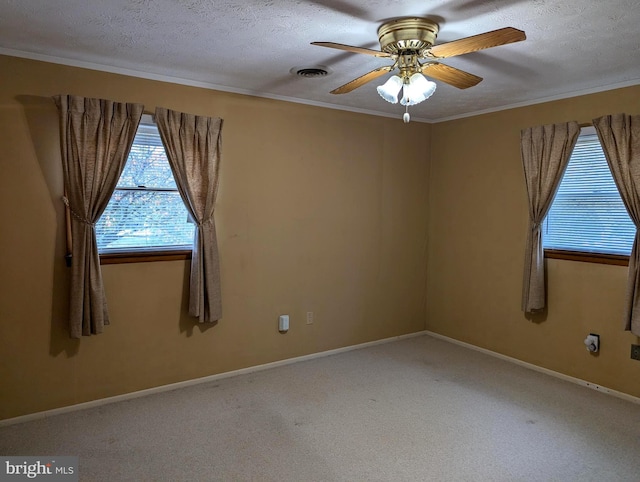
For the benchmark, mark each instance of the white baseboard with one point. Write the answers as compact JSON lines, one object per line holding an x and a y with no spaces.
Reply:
{"x":531,"y":366}
{"x":196,"y":381}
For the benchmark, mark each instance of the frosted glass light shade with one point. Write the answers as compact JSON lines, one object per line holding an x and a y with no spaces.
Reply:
{"x":417,"y":90}
{"x":390,"y":89}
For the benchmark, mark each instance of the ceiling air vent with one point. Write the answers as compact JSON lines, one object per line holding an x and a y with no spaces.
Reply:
{"x":311,"y":72}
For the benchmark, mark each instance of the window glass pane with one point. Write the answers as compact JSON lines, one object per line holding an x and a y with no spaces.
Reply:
{"x":587,"y":213}
{"x":152,"y":218}
{"x":147,"y":164}
{"x":144,"y":219}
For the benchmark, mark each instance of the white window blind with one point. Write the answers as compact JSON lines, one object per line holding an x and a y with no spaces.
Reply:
{"x":145,"y":212}
{"x":587,"y":213}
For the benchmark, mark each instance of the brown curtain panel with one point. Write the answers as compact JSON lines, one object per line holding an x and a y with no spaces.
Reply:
{"x":95,"y":139}
{"x":620,"y":138}
{"x":545,"y":154}
{"x":193,"y":147}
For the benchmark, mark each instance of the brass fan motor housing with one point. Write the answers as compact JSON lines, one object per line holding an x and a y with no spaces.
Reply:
{"x":407,"y":34}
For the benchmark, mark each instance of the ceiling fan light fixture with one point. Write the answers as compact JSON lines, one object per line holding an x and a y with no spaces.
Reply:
{"x":410,"y":43}
{"x":417,"y":89}
{"x":390,"y":89}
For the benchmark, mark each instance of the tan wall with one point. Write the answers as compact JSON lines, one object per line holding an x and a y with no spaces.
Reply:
{"x":478,"y":223}
{"x":318,"y":210}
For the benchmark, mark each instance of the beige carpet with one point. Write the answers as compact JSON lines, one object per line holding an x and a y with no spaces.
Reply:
{"x":420,"y":409}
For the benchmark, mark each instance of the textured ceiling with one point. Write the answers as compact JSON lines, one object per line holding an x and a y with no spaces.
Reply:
{"x":250,"y":46}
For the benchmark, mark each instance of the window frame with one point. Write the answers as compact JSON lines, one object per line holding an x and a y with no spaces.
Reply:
{"x":144,"y":257}
{"x":584,"y":256}
{"x":598,"y":258}
{"x":132,"y":255}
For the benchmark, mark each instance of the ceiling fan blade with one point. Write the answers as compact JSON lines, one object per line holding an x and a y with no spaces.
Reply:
{"x":363,"y":79}
{"x":452,"y":76}
{"x":481,"y":41}
{"x":349,"y":48}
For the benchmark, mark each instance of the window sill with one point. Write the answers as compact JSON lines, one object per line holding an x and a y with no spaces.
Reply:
{"x":145,"y":257}
{"x":600,"y":258}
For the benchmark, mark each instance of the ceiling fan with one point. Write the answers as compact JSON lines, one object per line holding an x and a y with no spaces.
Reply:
{"x":409,"y":42}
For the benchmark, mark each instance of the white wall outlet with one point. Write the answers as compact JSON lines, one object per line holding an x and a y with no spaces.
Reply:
{"x":283,"y":323}
{"x":592,"y":342}
{"x":309,"y":317}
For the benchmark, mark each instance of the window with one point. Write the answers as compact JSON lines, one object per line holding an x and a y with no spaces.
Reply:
{"x":146,"y":212}
{"x":587,"y":214}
